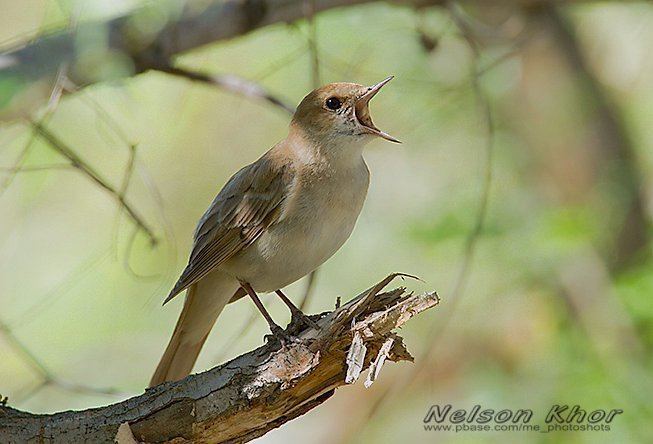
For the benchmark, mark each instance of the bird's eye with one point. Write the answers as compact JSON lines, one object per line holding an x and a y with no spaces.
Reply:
{"x":333,"y":103}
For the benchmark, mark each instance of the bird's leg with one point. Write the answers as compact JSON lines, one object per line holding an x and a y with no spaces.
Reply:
{"x":276,"y":330}
{"x":295,"y":312}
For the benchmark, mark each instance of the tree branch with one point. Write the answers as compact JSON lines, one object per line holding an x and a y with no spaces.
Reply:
{"x":221,"y":20}
{"x":233,"y":84}
{"x":130,"y":50}
{"x":252,"y":394}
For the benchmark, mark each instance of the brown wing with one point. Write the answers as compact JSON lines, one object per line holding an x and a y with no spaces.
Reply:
{"x":250,"y":202}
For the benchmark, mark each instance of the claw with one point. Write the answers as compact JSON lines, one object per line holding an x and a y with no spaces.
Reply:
{"x":280,"y":335}
{"x":297,"y":315}
{"x":300,"y":317}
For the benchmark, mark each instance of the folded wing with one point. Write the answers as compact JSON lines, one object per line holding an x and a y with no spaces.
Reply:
{"x":250,"y":202}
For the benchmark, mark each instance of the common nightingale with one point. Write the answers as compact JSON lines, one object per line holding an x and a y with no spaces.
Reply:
{"x":277,"y":219}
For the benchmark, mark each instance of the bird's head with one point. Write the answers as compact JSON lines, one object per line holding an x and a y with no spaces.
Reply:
{"x":338,"y":113}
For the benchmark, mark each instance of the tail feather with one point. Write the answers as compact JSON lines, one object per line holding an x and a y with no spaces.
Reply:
{"x":204,"y":302}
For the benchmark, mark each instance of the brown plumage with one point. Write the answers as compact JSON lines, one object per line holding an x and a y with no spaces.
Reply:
{"x":278,"y":218}
{"x":246,"y":206}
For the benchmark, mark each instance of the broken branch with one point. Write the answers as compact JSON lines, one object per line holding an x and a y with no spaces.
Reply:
{"x":249,"y":395}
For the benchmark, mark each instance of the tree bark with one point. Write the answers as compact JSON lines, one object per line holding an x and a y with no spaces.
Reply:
{"x":221,"y":20}
{"x":37,"y":68}
{"x":251,"y":394}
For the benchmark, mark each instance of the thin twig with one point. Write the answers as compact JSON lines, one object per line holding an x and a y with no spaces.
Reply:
{"x":102,"y":114}
{"x":47,"y":377}
{"x":124,"y":186}
{"x":18,"y":164}
{"x":129,"y":169}
{"x":31,"y":313}
{"x":309,"y":289}
{"x":92,"y":174}
{"x":231,"y":83}
{"x":282,"y":62}
{"x":53,"y":102}
{"x":30,"y":169}
{"x":27,"y":356}
{"x":132,"y":163}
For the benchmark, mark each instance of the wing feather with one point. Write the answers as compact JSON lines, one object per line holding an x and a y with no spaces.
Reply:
{"x":248,"y":204}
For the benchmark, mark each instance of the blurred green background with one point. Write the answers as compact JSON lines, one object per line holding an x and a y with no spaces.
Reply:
{"x":554,"y":307}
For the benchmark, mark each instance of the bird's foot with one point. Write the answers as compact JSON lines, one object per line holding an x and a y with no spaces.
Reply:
{"x":298,"y":317}
{"x":280,"y":335}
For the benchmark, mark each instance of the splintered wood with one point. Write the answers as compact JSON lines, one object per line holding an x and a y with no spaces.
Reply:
{"x":252,"y":394}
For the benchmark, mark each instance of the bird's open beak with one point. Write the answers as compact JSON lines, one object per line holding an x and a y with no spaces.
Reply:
{"x":362,"y":111}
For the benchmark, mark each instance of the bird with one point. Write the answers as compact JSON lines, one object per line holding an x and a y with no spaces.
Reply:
{"x":277,"y":219}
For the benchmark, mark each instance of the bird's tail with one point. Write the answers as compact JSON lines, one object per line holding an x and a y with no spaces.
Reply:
{"x":205,"y":301}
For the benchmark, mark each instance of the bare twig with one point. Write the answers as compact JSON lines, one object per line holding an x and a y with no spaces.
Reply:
{"x":309,"y":289}
{"x":92,"y":174}
{"x":32,"y":169}
{"x":132,"y":164}
{"x":220,"y":20}
{"x":250,"y":395}
{"x":18,"y":164}
{"x":233,"y":84}
{"x":53,"y":102}
{"x":124,"y":186}
{"x":46,"y":376}
{"x":31,"y":313}
{"x":279,"y":64}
